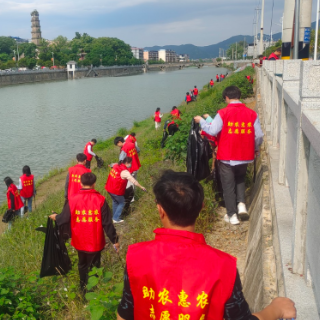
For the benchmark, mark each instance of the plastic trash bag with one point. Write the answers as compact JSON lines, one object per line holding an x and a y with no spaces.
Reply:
{"x":198,"y":153}
{"x":55,"y":259}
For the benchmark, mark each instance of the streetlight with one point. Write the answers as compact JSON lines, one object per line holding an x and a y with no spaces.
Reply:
{"x":52,"y":58}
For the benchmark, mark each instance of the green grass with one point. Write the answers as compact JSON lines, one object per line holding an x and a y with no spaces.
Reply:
{"x":59,"y":297}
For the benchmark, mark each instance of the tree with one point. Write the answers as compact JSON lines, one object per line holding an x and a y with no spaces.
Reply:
{"x":312,"y":42}
{"x":29,"y":50}
{"x":7,"y":45}
{"x":237,"y":49}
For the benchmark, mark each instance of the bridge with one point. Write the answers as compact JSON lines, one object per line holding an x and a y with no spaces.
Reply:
{"x":288,"y":100}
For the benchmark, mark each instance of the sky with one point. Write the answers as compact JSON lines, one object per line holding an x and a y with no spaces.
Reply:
{"x":141,"y":23}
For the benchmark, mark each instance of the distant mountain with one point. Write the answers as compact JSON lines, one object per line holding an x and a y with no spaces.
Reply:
{"x":211,"y":51}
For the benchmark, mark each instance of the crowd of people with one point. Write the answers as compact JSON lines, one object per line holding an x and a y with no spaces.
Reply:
{"x":177,"y":275}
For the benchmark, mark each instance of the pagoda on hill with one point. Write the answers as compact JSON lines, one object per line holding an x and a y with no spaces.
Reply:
{"x":35,"y":28}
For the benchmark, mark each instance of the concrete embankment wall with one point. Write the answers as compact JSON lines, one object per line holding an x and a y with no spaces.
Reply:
{"x":290,"y":112}
{"x":21,"y":77}
{"x":13,"y":78}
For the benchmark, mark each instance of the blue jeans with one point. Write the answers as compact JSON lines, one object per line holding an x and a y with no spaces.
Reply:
{"x":24,"y":200}
{"x":117,"y":205}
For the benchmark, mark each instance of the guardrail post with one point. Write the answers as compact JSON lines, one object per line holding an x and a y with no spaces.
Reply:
{"x":291,"y":77}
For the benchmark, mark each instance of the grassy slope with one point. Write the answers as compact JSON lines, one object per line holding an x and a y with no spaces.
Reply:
{"x":22,"y":248}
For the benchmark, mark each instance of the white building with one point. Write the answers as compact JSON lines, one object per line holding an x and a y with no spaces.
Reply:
{"x":137,"y":52}
{"x":162,"y":55}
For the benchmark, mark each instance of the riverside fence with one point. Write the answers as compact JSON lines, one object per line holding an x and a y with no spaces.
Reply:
{"x":289,"y":92}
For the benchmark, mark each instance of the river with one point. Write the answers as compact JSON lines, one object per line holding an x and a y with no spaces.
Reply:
{"x":45,"y":125}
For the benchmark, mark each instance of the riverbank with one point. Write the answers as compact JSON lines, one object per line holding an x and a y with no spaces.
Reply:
{"x":59,"y":297}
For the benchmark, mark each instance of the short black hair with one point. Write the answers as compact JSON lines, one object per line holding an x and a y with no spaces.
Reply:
{"x":279,"y":49}
{"x":260,"y":56}
{"x":187,"y":93}
{"x":94,"y":140}
{"x":231,"y":92}
{"x":26,"y":170}
{"x":158,"y":109}
{"x":133,"y":134}
{"x":181,"y":196}
{"x":125,"y":160}
{"x":174,"y":108}
{"x":88,"y":179}
{"x":195,"y":86}
{"x":8,"y":181}
{"x":117,"y":140}
{"x":81,"y":157}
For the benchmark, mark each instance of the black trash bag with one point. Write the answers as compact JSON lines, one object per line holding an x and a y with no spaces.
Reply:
{"x":55,"y":260}
{"x":164,"y":138}
{"x":8,"y":216}
{"x":198,"y":153}
{"x":100,"y":162}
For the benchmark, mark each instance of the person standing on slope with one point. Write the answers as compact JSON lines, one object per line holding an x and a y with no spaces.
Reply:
{"x":27,"y":187}
{"x":88,"y":151}
{"x":157,"y":118}
{"x":211,"y":83}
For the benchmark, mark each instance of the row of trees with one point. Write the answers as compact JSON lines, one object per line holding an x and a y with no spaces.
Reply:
{"x":83,"y":48}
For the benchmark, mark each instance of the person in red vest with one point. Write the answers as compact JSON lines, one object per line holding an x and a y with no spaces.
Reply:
{"x":240,"y":137}
{"x":27,"y":187}
{"x":89,"y":152}
{"x":261,"y":59}
{"x":175,"y":113}
{"x":177,"y":275}
{"x":157,"y":118}
{"x":133,"y":139}
{"x":116,"y":185}
{"x":14,"y":201}
{"x":188,"y":98}
{"x":73,"y":179}
{"x":217,"y":78}
{"x":195,"y":92}
{"x":89,"y":215}
{"x":211,"y":83}
{"x":275,"y":55}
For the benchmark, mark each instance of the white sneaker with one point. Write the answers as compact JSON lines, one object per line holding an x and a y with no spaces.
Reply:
{"x":233,"y":220}
{"x":114,"y":221}
{"x":242,"y":208}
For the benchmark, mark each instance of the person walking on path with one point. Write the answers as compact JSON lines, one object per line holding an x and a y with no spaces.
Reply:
{"x":275,"y":55}
{"x":89,"y":216}
{"x":116,"y":186}
{"x":157,"y":118}
{"x":179,"y":276}
{"x":27,"y":187}
{"x":239,"y":142}
{"x":88,"y":151}
{"x":73,"y":179}
{"x":211,"y":83}
{"x":14,"y":201}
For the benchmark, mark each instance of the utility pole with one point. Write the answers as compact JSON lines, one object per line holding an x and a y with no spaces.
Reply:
{"x":14,"y":53}
{"x":302,"y":29}
{"x":317,"y":33}
{"x":255,"y":41}
{"x":287,"y":29}
{"x":232,"y":57}
{"x":236,"y":50}
{"x":261,"y":29}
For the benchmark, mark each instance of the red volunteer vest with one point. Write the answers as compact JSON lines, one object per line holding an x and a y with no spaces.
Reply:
{"x":272,"y":55}
{"x":189,"y":98}
{"x":86,"y":225}
{"x":175,"y":114}
{"x":75,"y":174}
{"x":211,"y":83}
{"x":27,"y":186}
{"x":217,"y":77}
{"x":178,"y":276}
{"x":85,"y":151}
{"x":237,"y":137}
{"x":248,"y":77}
{"x":131,"y":138}
{"x":115,"y":184}
{"x":131,"y":151}
{"x":18,"y":204}
{"x":195,"y":91}
{"x":157,"y":117}
{"x":172,"y":122}
{"x":253,"y":65}
{"x":212,"y":139}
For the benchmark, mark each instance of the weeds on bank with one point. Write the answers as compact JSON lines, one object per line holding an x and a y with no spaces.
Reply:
{"x":59,"y":297}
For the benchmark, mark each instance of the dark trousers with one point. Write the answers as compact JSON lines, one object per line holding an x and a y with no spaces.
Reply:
{"x":88,"y":163}
{"x":233,"y":185}
{"x":128,"y":196}
{"x":86,"y":262}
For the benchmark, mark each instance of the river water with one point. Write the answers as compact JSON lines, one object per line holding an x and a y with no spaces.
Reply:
{"x":45,"y":125}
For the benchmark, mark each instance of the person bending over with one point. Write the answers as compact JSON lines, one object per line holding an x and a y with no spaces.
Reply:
{"x":177,"y":275}
{"x":88,"y":151}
